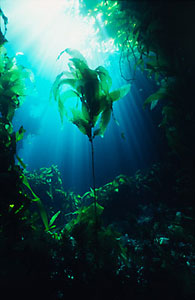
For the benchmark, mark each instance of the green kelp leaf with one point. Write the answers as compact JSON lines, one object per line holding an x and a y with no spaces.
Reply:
{"x":86,"y":194}
{"x":5,"y":20}
{"x":55,"y":87}
{"x":21,"y":162}
{"x":69,"y":81}
{"x":28,"y":74}
{"x":43,"y":213}
{"x":19,"y":77}
{"x":82,"y":124}
{"x":26,"y":183}
{"x":120,"y":93}
{"x":20,"y":134}
{"x":8,"y":126}
{"x":103,"y":102}
{"x":19,"y":72}
{"x":62,"y":110}
{"x":85,"y":215}
{"x":19,"y":88}
{"x":11,"y":109}
{"x":82,"y":70}
{"x":76,"y":84}
{"x":105,"y":79}
{"x":19,"y":209}
{"x":135,"y":38}
{"x":68,"y":94}
{"x":160,"y":94}
{"x":76,"y":54}
{"x":62,"y":98}
{"x":2,"y":58}
{"x":54,"y":92}
{"x":85,"y":111}
{"x":153,"y":104}
{"x":92,"y":88}
{"x":15,"y":73}
{"x":54,"y":218}
{"x":95,"y":108}
{"x":41,"y":207}
{"x":73,"y":53}
{"x":105,"y":118}
{"x":1,"y":89}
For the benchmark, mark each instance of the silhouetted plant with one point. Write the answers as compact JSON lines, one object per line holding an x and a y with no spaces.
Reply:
{"x":91,"y":102}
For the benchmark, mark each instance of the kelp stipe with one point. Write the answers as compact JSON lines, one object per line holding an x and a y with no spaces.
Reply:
{"x":94,"y":101}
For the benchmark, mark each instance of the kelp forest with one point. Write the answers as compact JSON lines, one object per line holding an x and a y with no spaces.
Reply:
{"x":133,"y":237}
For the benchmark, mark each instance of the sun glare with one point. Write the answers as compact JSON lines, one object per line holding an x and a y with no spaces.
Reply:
{"x":47,"y":27}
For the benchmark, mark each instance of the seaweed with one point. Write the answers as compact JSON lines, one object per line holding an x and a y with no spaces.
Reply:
{"x":153,"y":255}
{"x":160,"y":49}
{"x":14,"y":201}
{"x":2,"y":34}
{"x":13,"y":84}
{"x":92,"y":89}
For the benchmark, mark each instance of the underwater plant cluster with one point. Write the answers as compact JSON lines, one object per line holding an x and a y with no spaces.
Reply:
{"x":132,"y":238}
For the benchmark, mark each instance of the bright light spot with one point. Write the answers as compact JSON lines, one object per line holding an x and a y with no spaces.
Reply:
{"x":42,"y":29}
{"x":92,"y":20}
{"x":47,"y":27}
{"x":99,"y":16}
{"x":19,"y":53}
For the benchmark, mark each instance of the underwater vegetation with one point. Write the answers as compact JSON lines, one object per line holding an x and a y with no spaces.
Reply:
{"x":92,"y":88}
{"x":142,"y":239}
{"x":163,"y":51}
{"x":12,"y":91}
{"x":141,"y":242}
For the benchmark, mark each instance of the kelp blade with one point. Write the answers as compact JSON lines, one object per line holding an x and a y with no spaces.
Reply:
{"x":120,"y":93}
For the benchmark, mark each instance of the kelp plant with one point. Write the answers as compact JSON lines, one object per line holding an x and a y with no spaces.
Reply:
{"x":94,"y":101}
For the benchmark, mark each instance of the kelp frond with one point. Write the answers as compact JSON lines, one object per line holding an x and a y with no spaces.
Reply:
{"x":92,"y":88}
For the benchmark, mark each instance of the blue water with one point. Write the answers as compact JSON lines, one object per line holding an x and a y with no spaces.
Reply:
{"x":133,"y":144}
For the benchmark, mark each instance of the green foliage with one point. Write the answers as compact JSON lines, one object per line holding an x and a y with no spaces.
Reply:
{"x":97,"y":247}
{"x":38,"y":201}
{"x":158,"y":48}
{"x":14,"y":200}
{"x":85,"y":215}
{"x":113,"y":21}
{"x":13,"y":80}
{"x":2,"y":34}
{"x":43,"y":213}
{"x":20,"y":134}
{"x":13,"y":84}
{"x":52,"y":220}
{"x":89,"y":88}
{"x":153,"y":99}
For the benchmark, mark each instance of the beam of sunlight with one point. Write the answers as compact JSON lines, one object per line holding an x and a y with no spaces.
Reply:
{"x":47,"y":27}
{"x":38,"y":31}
